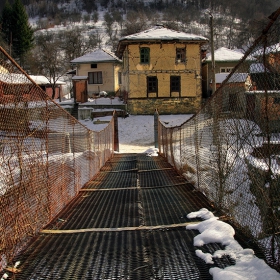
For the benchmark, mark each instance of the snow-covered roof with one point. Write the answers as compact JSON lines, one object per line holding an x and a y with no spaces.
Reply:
{"x":79,"y":77}
{"x":42,"y":80}
{"x":97,"y":56}
{"x":271,"y":49}
{"x":162,"y":33}
{"x":257,"y":68}
{"x":225,"y":55}
{"x":235,"y":78}
{"x":14,"y":78}
{"x":159,"y":34}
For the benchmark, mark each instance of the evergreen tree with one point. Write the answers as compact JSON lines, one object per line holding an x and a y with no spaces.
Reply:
{"x":6,"y":23}
{"x":15,"y":29}
{"x":22,"y":33}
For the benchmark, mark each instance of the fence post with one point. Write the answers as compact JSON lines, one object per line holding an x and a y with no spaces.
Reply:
{"x":156,"y":128}
{"x":116,"y":132}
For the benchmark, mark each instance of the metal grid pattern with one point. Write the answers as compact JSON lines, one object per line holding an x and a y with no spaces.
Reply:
{"x":46,"y":156}
{"x":230,"y":149}
{"x":170,"y":205}
{"x":100,"y":209}
{"x":116,"y":255}
{"x":117,"y":244}
{"x":111,"y":180}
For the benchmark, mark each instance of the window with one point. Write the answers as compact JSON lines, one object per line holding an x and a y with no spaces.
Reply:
{"x":120,"y":77}
{"x":225,"y":69}
{"x":152,"y":84}
{"x":144,"y":55}
{"x":175,"y":83}
{"x":180,"y":55}
{"x":93,"y":65}
{"x":95,"y":77}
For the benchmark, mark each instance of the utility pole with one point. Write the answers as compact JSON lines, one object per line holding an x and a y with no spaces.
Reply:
{"x":212,"y":54}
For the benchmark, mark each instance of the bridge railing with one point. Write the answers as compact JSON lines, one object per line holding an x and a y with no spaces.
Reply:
{"x":46,"y":156}
{"x":230,"y":150}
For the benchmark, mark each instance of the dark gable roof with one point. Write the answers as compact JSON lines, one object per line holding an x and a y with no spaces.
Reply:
{"x":159,"y":34}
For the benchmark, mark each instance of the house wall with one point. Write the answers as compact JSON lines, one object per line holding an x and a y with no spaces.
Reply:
{"x":162,"y":65}
{"x":49,"y":92}
{"x":208,"y":74}
{"x":109,"y":77}
{"x":266,"y":109}
{"x":274,"y":61}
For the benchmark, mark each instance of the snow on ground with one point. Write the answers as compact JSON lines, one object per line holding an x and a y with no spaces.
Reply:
{"x":136,"y":132}
{"x":247,"y":267}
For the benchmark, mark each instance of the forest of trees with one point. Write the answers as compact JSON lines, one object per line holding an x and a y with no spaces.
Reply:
{"x":236,"y":23}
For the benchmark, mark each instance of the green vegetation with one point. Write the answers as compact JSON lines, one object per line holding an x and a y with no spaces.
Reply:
{"x":16,"y":31}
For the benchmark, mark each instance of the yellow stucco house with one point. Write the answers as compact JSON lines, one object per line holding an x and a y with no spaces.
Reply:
{"x":162,"y":69}
{"x":101,"y":71}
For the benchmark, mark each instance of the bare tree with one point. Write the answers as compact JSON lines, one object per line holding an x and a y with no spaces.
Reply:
{"x":135,"y":22}
{"x":75,"y":44}
{"x":48,"y":59}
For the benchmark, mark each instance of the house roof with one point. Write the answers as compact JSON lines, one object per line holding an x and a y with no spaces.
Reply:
{"x":257,"y":68}
{"x":271,"y":49}
{"x":42,"y":80}
{"x":225,"y":55}
{"x":159,"y":34}
{"x":79,"y":77}
{"x":97,"y":56}
{"x":14,"y":78}
{"x":235,"y":78}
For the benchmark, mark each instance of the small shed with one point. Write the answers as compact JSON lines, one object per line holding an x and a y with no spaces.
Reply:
{"x":80,"y":89}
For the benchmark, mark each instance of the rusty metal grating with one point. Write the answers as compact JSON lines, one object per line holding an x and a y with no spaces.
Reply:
{"x":170,"y":205}
{"x":154,"y":178}
{"x":122,"y":233}
{"x":109,"y":180}
{"x":100,"y":209}
{"x":135,"y":255}
{"x":147,"y":163}
{"x":119,"y":165}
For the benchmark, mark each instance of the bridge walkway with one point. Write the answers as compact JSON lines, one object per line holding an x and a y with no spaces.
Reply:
{"x":128,"y":222}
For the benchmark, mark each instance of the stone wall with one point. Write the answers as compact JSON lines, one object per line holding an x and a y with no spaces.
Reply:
{"x":144,"y":106}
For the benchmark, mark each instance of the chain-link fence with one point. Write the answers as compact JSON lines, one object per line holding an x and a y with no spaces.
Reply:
{"x":230,"y":150}
{"x":46,"y":156}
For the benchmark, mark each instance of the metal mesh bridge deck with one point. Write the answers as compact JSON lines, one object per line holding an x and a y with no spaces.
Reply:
{"x":128,"y":222}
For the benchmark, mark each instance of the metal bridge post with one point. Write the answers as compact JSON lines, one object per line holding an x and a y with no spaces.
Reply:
{"x":116,"y":132}
{"x":156,"y":127}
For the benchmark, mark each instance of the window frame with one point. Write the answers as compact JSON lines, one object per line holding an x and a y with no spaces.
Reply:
{"x":120,"y":78}
{"x":181,"y":55}
{"x":144,"y":55}
{"x":98,"y":80}
{"x":93,"y":65}
{"x":175,"y":84}
{"x":152,"y":85}
{"x":227,"y":69}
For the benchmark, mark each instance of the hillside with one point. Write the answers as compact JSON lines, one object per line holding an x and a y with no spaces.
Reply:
{"x":234,"y":21}
{"x":73,"y":28}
